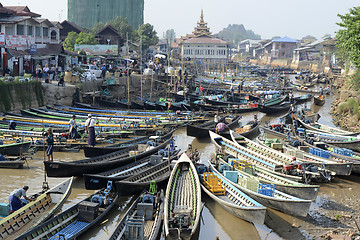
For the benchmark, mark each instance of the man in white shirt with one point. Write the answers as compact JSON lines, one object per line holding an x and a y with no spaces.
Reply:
{"x":73,"y":132}
{"x":90,"y":129}
{"x":15,"y":198}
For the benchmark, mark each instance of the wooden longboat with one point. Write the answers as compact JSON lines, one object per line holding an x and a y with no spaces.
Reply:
{"x":99,"y":180}
{"x":280,"y":201}
{"x":201,"y":130}
{"x":139,"y":212}
{"x":90,"y":151}
{"x":302,"y":99}
{"x":138,"y":182}
{"x":296,"y":189}
{"x":326,"y":129}
{"x":274,"y":101}
{"x":318,"y":101}
{"x":182,"y":200}
{"x":235,"y":201}
{"x":251,"y":133}
{"x":254,"y":156}
{"x":275,"y":109}
{"x":355,"y":158}
{"x":76,"y":220}
{"x":12,"y":162}
{"x":103,"y":163}
{"x":340,"y":167}
{"x":15,"y":149}
{"x":349,"y":142}
{"x":113,"y":104}
{"x":36,"y":212}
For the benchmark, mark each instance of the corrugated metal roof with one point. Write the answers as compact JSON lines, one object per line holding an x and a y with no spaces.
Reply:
{"x":285,"y":39}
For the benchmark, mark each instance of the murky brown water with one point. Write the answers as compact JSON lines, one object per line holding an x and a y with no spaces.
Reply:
{"x":216,"y":221}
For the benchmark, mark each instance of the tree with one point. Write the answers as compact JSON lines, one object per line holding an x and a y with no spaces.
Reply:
{"x":70,"y":41}
{"x":348,"y":37}
{"x":81,"y":39}
{"x":122,"y":26}
{"x":148,"y":35}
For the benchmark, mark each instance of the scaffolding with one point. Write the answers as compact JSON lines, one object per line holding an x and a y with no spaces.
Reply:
{"x":85,"y":13}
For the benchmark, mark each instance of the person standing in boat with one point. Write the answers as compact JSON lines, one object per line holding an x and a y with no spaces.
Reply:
{"x":15,"y":202}
{"x":90,"y":129}
{"x":50,"y":143}
{"x":73,"y":131}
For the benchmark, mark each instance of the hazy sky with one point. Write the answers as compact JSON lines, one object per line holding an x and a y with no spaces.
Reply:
{"x":292,"y":18}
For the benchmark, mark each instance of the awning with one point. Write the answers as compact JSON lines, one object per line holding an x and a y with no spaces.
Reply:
{"x":49,"y":51}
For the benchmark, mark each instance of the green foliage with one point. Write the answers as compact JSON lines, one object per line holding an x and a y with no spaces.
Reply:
{"x":236,"y":33}
{"x":123,"y":27}
{"x":148,"y":35}
{"x":354,"y":81}
{"x":82,"y":39}
{"x":348,"y":37}
{"x":97,"y":27}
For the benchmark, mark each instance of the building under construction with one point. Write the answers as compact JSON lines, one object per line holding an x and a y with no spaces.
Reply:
{"x":86,"y":13}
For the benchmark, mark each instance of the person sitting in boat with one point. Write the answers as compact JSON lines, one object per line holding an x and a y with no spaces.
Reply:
{"x":15,"y":201}
{"x":73,"y":132}
{"x":12,"y":125}
{"x":221,"y":127}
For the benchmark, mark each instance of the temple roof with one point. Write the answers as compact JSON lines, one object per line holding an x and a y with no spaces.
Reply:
{"x":202,"y":30}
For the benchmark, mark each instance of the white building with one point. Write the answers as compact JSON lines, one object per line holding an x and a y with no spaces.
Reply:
{"x":201,"y":45}
{"x":27,"y":39}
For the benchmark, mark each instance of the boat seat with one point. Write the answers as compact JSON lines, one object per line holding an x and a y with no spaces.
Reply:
{"x":182,"y":210}
{"x":70,"y":230}
{"x":145,"y":210}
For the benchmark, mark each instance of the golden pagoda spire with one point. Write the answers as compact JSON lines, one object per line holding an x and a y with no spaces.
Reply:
{"x":202,"y":29}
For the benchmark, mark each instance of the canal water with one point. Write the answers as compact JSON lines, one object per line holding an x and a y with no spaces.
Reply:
{"x":215,"y":222}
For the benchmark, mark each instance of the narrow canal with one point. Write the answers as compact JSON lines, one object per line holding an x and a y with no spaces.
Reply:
{"x":215,"y":222}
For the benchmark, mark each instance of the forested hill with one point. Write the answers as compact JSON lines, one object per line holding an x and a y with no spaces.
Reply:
{"x":235,"y":33}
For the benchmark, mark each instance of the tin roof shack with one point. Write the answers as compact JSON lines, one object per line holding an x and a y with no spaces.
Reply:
{"x":316,"y":55}
{"x":246,"y":47}
{"x":280,"y":48}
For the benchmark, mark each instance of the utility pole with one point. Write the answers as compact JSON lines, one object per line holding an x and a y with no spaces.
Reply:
{"x":141,"y":72}
{"x":128,"y":70}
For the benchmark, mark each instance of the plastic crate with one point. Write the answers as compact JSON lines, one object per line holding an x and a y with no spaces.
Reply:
{"x":224,"y":167}
{"x":249,"y":183}
{"x":267,"y":189}
{"x":325,"y":154}
{"x":231,"y":175}
{"x":339,"y":151}
{"x":311,"y":151}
